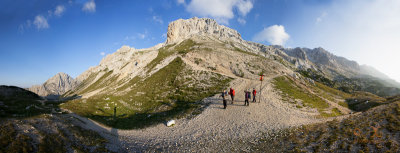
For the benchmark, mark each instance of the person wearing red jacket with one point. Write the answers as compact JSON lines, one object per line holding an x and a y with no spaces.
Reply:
{"x":254,"y":95}
{"x":232,"y":93}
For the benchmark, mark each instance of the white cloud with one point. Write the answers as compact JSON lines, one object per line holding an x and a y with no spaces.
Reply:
{"x":244,"y":7}
{"x":241,"y":21}
{"x":141,"y":35}
{"x":275,"y":35}
{"x":180,"y":1}
{"x":164,"y":35}
{"x":319,"y":19}
{"x":220,"y":10}
{"x":129,"y":38}
{"x":40,"y":22}
{"x":89,"y":6}
{"x":59,"y":10}
{"x":102,"y":53}
{"x":158,"y":19}
{"x":22,"y":27}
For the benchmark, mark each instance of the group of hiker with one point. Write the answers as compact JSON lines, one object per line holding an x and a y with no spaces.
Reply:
{"x":247,"y":96}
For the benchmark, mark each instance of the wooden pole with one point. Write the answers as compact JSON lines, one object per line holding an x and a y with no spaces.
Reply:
{"x":259,"y":97}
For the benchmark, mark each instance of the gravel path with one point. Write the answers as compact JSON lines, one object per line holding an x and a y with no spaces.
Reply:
{"x":215,"y":129}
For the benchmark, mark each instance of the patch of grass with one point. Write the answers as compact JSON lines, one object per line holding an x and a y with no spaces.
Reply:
{"x":333,"y":91}
{"x":52,"y":143}
{"x":85,"y":140}
{"x":185,"y":46}
{"x":72,"y":93}
{"x":334,"y":112}
{"x":351,"y":85}
{"x":171,"y":92}
{"x":197,"y":60}
{"x":12,"y":141}
{"x":7,"y":134}
{"x":102,"y":82}
{"x":21,"y":103}
{"x":241,"y":74}
{"x":362,"y":101}
{"x":317,"y":76}
{"x":207,"y":49}
{"x":282,"y":61}
{"x":212,"y":68}
{"x":130,"y":83}
{"x":344,"y":104}
{"x":163,"y":53}
{"x":373,"y":131}
{"x":62,"y":136}
{"x":288,"y":87}
{"x":21,"y":143}
{"x":246,"y":52}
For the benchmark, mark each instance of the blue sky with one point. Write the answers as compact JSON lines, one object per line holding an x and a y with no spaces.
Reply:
{"x":39,"y":38}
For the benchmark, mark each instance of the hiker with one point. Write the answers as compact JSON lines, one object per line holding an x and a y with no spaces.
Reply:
{"x":232,"y":93}
{"x":246,"y":97}
{"x":254,"y":95}
{"x":223,"y":94}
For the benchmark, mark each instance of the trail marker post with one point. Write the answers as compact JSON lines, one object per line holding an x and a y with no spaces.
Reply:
{"x":261,"y":79}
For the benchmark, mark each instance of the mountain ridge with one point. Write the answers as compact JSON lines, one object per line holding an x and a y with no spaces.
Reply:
{"x":126,"y":63}
{"x":54,"y":86}
{"x":138,"y":90}
{"x":182,"y":29}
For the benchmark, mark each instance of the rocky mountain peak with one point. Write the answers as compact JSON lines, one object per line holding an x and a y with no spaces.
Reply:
{"x":297,"y":52}
{"x":182,"y":29}
{"x":60,"y":78}
{"x":55,"y":86}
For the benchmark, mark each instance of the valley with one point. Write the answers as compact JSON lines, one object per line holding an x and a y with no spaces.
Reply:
{"x":310,"y":100}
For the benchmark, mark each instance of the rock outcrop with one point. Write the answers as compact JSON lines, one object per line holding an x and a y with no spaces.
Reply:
{"x":183,"y":29}
{"x":322,"y":60}
{"x":55,"y":86}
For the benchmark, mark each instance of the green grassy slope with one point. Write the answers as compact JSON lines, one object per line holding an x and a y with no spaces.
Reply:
{"x":292,"y":92}
{"x":18,"y":102}
{"x":350,"y":85}
{"x":171,"y":92}
{"x":376,"y":130}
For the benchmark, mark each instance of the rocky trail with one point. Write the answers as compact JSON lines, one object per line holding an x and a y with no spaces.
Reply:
{"x":215,"y":129}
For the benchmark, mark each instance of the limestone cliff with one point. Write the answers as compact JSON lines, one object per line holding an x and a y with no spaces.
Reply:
{"x":55,"y":86}
{"x":182,"y":29}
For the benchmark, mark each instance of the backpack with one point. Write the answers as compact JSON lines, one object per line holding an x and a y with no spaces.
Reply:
{"x":248,"y":95}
